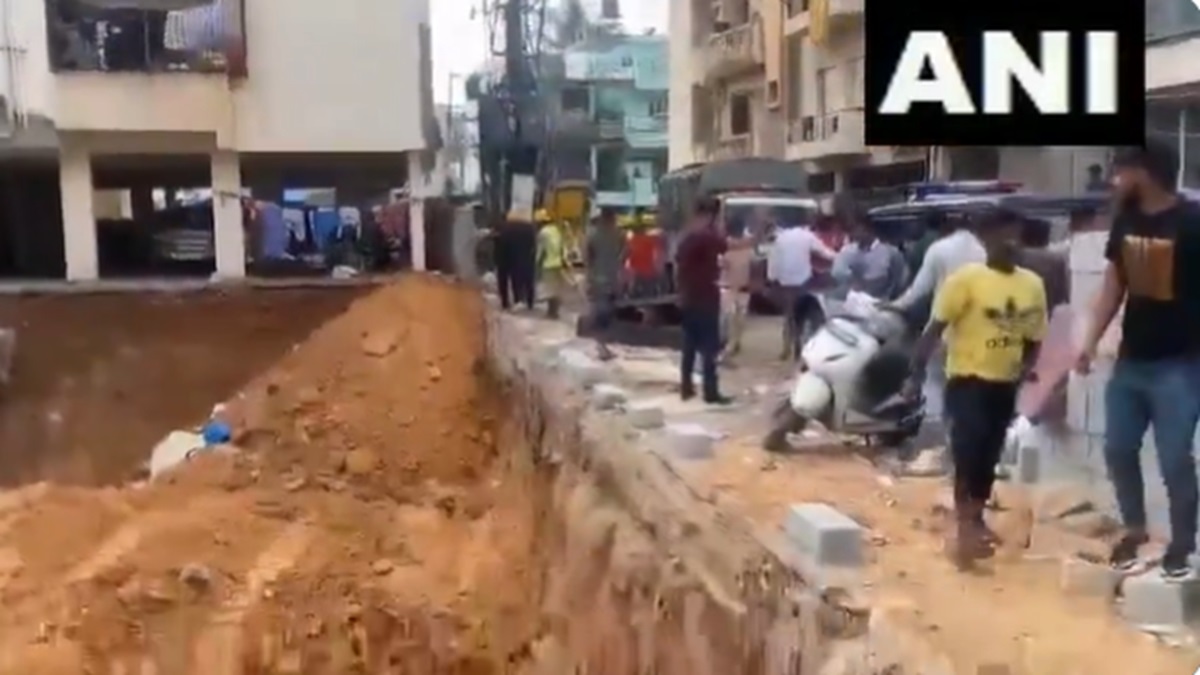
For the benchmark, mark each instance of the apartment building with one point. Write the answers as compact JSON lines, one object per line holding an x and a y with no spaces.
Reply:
{"x":612,"y":114}
{"x":727,"y":81}
{"x":238,"y":96}
{"x":1173,"y":81}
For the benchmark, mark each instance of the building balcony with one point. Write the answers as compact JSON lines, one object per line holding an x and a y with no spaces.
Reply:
{"x":144,"y":70}
{"x":846,"y":10}
{"x":734,"y":147}
{"x":843,"y":15}
{"x":835,"y":135}
{"x":646,"y":131}
{"x":733,"y":51}
{"x":195,"y":36}
{"x":582,"y":128}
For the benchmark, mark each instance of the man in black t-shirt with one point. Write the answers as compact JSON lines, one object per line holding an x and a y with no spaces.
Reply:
{"x":1154,"y":268}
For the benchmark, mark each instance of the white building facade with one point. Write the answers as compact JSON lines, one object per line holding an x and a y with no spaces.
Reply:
{"x":227,"y":94}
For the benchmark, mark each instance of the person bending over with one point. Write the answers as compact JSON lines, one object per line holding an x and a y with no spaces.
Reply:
{"x":992,"y":316}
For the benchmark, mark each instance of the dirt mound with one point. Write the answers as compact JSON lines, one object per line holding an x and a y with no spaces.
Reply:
{"x":363,"y":525}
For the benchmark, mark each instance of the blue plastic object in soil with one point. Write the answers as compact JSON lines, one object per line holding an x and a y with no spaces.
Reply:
{"x":216,"y":433}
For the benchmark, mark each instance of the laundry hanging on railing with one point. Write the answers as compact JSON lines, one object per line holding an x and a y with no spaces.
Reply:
{"x":197,"y":28}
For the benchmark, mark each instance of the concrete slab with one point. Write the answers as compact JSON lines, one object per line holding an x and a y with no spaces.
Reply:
{"x":584,"y":370}
{"x":645,"y":415}
{"x":1154,"y":604}
{"x":608,"y":396}
{"x":829,"y":536}
{"x":691,"y":441}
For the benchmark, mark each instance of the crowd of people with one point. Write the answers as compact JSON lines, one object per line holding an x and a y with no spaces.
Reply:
{"x":988,"y":283}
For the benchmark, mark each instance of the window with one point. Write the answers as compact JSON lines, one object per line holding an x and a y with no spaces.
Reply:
{"x":658,"y":105}
{"x":739,"y":114}
{"x":610,"y":170}
{"x":576,"y":98}
{"x":792,"y":72}
{"x":822,"y":94}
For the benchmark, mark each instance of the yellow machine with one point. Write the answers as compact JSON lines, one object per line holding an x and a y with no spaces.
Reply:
{"x":569,"y":202}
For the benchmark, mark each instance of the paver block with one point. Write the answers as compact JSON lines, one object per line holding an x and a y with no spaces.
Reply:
{"x":828,"y":535}
{"x":1083,"y":578}
{"x":583,"y":369}
{"x":1029,"y":464}
{"x":1151,"y":602}
{"x":608,"y":396}
{"x":691,"y":441}
{"x":645,"y":415}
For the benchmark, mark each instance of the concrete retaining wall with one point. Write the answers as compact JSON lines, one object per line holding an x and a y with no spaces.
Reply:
{"x":647,"y":576}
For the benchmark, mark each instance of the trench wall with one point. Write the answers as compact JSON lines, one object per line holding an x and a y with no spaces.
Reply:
{"x":644,"y":576}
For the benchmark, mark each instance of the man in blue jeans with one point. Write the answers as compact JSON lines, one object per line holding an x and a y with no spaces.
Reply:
{"x":1153,"y":253}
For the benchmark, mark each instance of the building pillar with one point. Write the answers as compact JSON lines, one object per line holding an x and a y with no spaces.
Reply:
{"x":142,"y":202}
{"x":229,"y":235}
{"x":78,"y":213}
{"x":418,"y":187}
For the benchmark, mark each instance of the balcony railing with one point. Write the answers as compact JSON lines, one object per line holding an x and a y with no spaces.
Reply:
{"x":734,"y":50}
{"x":738,"y":147}
{"x":147,"y":36}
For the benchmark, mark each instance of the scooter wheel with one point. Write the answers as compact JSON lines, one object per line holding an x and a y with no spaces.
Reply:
{"x":787,"y":422}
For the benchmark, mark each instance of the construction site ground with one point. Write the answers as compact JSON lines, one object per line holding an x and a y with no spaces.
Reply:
{"x":372,"y":514}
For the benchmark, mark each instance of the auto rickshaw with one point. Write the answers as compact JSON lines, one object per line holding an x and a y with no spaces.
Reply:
{"x":568,"y":202}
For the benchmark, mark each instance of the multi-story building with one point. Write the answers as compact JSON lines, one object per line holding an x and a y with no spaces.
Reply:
{"x":1173,"y":80}
{"x":611,"y":118}
{"x":784,"y":78}
{"x":727,"y":81}
{"x":223,"y":94}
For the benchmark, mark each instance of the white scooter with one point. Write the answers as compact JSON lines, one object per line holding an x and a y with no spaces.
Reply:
{"x":832,"y":388}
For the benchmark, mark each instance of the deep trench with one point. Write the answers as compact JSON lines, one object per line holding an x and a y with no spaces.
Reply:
{"x":573,"y":550}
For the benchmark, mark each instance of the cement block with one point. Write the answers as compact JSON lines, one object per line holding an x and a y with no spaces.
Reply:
{"x":1089,"y":579}
{"x":645,"y":415}
{"x":1029,"y":465}
{"x":1152,"y":603}
{"x":584,"y":370}
{"x":829,"y":536}
{"x":608,"y":396}
{"x":691,"y":441}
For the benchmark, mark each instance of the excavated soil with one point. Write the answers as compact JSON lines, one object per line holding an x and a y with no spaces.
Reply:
{"x":101,"y":378}
{"x":376,"y":513}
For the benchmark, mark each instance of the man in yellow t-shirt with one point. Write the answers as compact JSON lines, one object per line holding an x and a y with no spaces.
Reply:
{"x":993,"y":318}
{"x":551,"y":263}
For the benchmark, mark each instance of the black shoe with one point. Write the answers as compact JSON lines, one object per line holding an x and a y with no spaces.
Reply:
{"x":1124,"y":556}
{"x":687,"y":393}
{"x":1176,"y":568}
{"x":718,"y":400}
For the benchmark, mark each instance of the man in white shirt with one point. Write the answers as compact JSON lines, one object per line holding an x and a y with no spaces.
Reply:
{"x":789,"y":266}
{"x":944,"y":257}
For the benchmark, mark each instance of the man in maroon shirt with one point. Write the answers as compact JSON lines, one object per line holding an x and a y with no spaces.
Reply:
{"x":698,"y":271}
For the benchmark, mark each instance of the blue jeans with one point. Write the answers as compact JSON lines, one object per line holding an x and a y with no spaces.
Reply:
{"x":1165,"y":396}
{"x":701,"y":338}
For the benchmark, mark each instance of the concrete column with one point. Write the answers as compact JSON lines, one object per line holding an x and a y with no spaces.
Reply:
{"x":142,"y":202}
{"x":420,"y":186}
{"x":78,"y":212}
{"x":229,"y":236}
